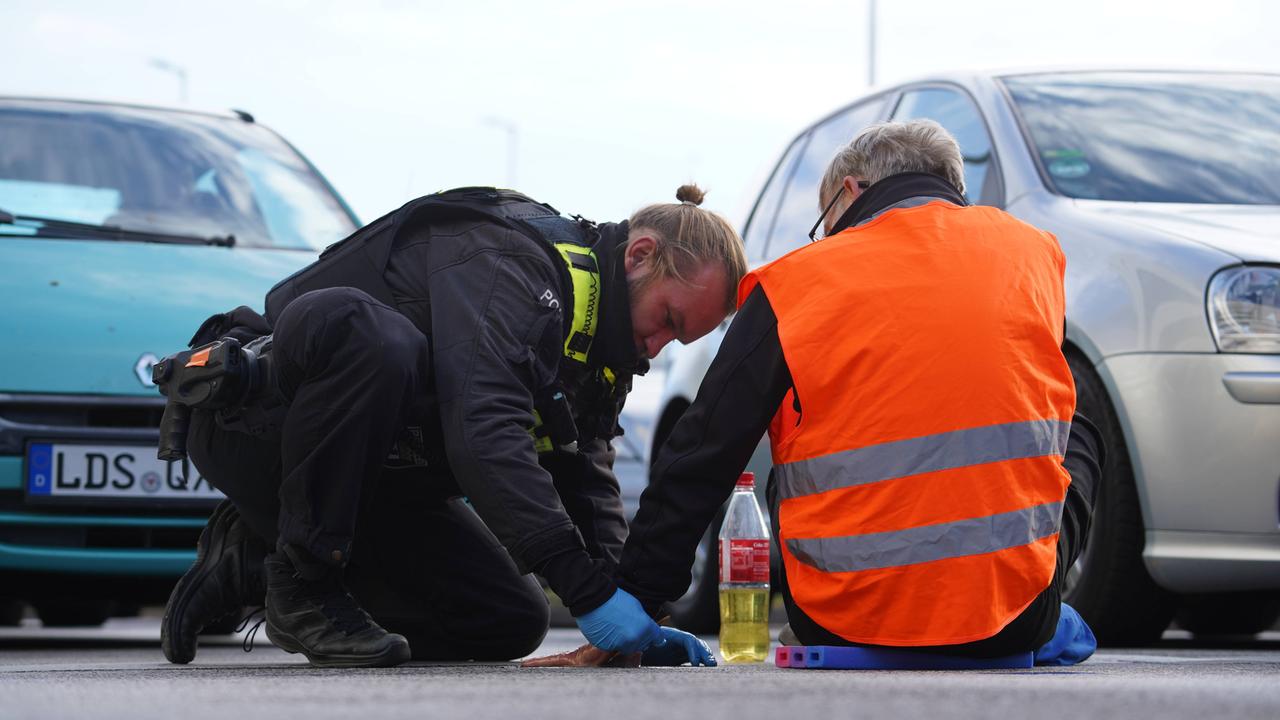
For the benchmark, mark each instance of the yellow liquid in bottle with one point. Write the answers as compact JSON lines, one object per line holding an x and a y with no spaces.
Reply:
{"x":744,"y":624}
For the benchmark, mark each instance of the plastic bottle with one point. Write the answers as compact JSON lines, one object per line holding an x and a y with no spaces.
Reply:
{"x":744,"y":577}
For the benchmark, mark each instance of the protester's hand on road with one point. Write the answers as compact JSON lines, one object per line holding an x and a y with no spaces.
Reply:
{"x":673,"y":649}
{"x":585,"y":656}
{"x":620,"y":625}
{"x":677,"y":648}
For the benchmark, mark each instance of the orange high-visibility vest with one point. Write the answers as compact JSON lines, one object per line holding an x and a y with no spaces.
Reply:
{"x":920,"y":482}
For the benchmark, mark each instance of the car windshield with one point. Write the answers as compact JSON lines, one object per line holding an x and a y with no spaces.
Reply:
{"x":162,"y":172}
{"x":1155,"y":137}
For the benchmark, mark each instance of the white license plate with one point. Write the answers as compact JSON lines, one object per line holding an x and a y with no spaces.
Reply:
{"x":72,"y":470}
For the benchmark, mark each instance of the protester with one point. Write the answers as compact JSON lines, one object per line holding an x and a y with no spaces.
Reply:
{"x":931,"y":483}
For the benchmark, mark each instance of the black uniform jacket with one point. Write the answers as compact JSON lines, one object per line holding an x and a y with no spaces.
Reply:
{"x":490,"y":301}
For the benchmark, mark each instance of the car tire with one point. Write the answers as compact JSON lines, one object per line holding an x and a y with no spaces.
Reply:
{"x":698,"y":610}
{"x":1219,"y":614}
{"x":126,"y":609}
{"x":73,"y":612}
{"x":1109,"y":584}
{"x":11,"y":612}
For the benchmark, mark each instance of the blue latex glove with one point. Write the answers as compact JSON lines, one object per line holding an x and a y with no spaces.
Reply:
{"x":1072,"y":642}
{"x":620,"y":625}
{"x":677,"y":648}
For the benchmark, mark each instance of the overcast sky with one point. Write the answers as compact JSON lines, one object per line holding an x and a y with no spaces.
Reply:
{"x":613,"y":104}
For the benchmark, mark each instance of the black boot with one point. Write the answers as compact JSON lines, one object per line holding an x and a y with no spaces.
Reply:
{"x":309,"y":611}
{"x":226,"y":576}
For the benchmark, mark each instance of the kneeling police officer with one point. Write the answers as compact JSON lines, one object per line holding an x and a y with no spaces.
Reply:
{"x":423,"y":417}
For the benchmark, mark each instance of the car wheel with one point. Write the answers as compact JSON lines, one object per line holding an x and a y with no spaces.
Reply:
{"x":11,"y":612}
{"x":126,"y":610}
{"x":73,"y":612}
{"x":1242,"y":613}
{"x":1109,"y":584}
{"x":698,"y":610}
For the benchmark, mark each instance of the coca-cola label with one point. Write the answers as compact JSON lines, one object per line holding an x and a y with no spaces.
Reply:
{"x":744,"y":560}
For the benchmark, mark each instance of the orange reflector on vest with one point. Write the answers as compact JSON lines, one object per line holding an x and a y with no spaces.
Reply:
{"x":200,"y":358}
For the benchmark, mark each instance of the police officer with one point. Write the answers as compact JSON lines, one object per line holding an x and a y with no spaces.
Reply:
{"x":435,"y":424}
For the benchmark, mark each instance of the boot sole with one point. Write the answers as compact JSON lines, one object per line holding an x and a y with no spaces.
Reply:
{"x":396,"y":654}
{"x":175,"y":608}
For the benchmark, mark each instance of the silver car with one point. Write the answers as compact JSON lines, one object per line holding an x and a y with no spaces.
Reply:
{"x":1163,"y":189}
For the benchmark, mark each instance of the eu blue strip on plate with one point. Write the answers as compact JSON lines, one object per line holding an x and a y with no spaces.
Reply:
{"x":40,"y":469}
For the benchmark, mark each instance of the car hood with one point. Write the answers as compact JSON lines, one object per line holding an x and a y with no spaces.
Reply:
{"x":90,"y":316}
{"x":1250,"y":232}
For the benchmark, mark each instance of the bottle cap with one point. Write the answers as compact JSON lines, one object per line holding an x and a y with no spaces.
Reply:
{"x":746,"y":480}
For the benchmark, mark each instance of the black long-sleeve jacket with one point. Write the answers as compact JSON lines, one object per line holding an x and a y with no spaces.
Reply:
{"x":492,"y":303}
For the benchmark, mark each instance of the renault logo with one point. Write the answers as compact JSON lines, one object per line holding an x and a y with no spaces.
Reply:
{"x":142,"y":368}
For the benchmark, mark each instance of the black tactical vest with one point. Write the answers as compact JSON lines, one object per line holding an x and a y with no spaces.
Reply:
{"x":360,"y":261}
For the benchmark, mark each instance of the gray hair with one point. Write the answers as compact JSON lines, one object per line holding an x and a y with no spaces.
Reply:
{"x":889,"y":148}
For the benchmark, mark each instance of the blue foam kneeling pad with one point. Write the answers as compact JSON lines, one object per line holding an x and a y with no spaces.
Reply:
{"x":828,"y":657}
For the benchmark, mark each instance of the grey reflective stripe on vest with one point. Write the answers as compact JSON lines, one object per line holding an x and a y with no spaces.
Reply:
{"x":927,"y":543}
{"x":929,"y":453}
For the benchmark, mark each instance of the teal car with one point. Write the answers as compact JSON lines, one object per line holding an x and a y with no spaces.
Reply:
{"x":121,"y":229}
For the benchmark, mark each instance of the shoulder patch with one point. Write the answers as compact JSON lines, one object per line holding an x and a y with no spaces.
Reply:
{"x":548,"y":299}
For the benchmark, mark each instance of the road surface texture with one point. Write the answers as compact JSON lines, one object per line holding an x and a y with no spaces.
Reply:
{"x":118,"y":672}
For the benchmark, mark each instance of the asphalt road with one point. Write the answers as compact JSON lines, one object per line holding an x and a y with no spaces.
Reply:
{"x":118,"y":672}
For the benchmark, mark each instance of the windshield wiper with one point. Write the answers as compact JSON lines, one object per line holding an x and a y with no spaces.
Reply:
{"x":90,"y":231}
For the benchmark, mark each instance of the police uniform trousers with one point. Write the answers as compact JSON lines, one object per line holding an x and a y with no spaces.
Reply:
{"x":348,"y":370}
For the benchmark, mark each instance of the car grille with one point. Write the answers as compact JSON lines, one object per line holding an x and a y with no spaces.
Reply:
{"x":77,"y":412}
{"x":81,"y":417}
{"x":87,"y":418}
{"x":101,"y":537}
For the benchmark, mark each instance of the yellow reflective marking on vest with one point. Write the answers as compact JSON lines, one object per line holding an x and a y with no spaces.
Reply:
{"x":584,"y":271}
{"x":586,"y":299}
{"x":541,"y":441}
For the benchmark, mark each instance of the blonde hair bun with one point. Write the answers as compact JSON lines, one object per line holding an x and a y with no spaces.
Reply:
{"x":690,"y":238}
{"x":691,"y":194}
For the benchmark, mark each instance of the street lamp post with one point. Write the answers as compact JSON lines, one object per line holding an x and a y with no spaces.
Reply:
{"x":871,"y":43}
{"x":178,"y":71}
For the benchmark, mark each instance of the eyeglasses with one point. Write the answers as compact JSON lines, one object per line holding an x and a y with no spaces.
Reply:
{"x":813,"y":232}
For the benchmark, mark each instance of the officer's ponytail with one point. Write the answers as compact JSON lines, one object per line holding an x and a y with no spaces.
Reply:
{"x":690,"y":236}
{"x":690,"y":194}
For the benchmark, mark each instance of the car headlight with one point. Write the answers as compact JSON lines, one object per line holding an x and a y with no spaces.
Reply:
{"x":1244,"y":309}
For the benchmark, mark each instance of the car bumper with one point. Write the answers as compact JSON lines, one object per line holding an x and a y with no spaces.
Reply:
{"x":58,"y":544}
{"x":1203,"y":432}
{"x":85,"y":540}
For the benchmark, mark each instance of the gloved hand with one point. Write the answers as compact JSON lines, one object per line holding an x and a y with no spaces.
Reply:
{"x":620,"y":625}
{"x":677,"y":648}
